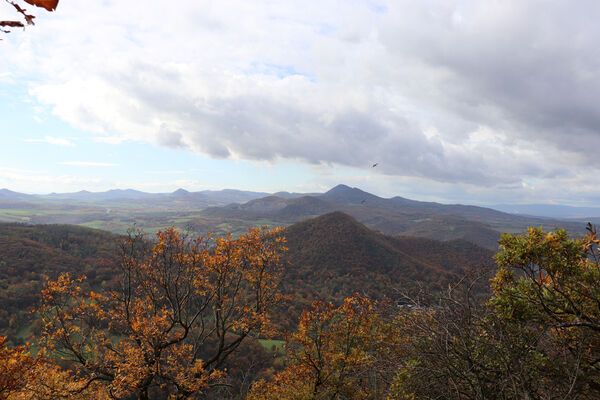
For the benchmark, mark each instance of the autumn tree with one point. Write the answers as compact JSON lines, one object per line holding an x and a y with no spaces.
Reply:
{"x":184,"y":305}
{"x":536,"y":337}
{"x":27,"y":18}
{"x":456,"y":346}
{"x":333,"y":355}
{"x":552,"y":282}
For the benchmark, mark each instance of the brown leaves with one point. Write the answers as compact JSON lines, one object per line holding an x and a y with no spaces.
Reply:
{"x":49,"y":5}
{"x":28,"y":17}
{"x":15,"y":368}
{"x":13,"y":24}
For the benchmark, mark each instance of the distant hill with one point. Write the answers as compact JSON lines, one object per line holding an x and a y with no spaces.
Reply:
{"x":9,"y":195}
{"x":551,"y":211}
{"x":114,"y":194}
{"x":396,"y":216}
{"x":342,"y":194}
{"x":333,"y":256}
{"x":205,"y":197}
{"x":286,"y":209}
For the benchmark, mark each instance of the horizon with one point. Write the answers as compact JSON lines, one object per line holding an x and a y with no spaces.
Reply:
{"x":454,"y":102}
{"x":311,"y":193}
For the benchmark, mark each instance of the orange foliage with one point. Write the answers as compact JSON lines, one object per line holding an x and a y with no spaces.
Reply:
{"x":333,"y":355}
{"x":183,"y":307}
{"x":15,"y":368}
{"x":49,"y":5}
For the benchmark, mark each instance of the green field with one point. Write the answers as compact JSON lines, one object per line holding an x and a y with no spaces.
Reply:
{"x":269,"y":344}
{"x":126,"y":216}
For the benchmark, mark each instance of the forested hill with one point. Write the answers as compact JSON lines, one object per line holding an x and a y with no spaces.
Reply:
{"x":31,"y":254}
{"x":333,"y":256}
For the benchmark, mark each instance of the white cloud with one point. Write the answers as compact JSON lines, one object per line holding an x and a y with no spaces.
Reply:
{"x":52,"y":140}
{"x":481,"y":95}
{"x":23,"y":180}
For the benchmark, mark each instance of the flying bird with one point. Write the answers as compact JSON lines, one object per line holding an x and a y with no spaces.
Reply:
{"x":374,"y":165}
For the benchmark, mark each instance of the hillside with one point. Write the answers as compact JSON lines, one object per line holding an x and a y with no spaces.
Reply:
{"x":284,"y":209}
{"x":333,"y":256}
{"x":31,"y":254}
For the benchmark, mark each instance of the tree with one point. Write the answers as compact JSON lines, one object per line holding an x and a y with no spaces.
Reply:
{"x":333,"y":355}
{"x":552,"y":283}
{"x":49,"y":5}
{"x":457,"y":347}
{"x":184,"y":305}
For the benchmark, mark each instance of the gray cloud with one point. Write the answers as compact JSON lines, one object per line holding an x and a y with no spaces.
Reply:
{"x":526,"y":67}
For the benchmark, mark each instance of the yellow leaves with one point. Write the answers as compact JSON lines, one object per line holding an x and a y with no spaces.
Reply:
{"x":502,"y":278}
{"x":24,"y":377}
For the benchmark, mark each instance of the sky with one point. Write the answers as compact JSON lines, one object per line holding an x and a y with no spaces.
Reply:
{"x":478,"y":102}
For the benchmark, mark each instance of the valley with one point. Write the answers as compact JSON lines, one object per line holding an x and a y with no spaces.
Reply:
{"x":234,"y":211}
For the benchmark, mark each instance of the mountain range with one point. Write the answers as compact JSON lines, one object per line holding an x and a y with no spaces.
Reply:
{"x":233,"y":211}
{"x":116,"y":196}
{"x":394,"y":216}
{"x":339,"y":193}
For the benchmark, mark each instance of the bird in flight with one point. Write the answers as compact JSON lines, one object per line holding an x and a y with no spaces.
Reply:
{"x":374,"y":165}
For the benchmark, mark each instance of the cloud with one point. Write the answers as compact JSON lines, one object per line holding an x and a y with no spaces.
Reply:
{"x":474,"y":94}
{"x":52,"y":140}
{"x":24,"y":179}
{"x":88,"y":164}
